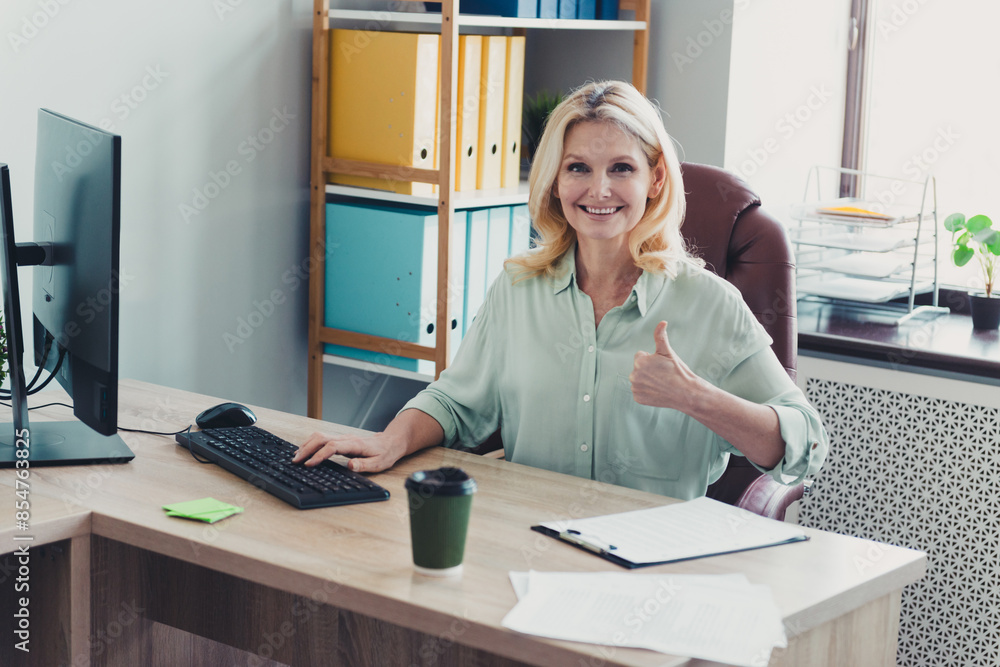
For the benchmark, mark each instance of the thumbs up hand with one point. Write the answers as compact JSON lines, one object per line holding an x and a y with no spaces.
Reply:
{"x":662,"y":379}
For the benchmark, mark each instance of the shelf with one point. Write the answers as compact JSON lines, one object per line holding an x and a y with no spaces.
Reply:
{"x":462,"y":200}
{"x":858,"y":289}
{"x":370,"y":367}
{"x":863,"y":265}
{"x":895,"y":215}
{"x":863,"y":242}
{"x":484,"y":21}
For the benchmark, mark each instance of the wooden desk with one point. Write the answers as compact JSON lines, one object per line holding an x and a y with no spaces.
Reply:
{"x":335,"y":586}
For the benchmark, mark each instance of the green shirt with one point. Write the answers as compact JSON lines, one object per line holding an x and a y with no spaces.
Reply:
{"x":533,"y":363}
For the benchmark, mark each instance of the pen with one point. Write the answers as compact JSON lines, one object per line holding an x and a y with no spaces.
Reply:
{"x":574,"y":537}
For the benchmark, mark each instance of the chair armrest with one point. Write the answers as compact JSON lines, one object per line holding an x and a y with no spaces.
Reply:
{"x":769,"y":498}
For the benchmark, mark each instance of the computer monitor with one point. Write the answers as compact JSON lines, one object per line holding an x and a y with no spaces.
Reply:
{"x":75,"y":290}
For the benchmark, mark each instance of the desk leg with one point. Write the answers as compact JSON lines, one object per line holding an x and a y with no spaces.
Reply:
{"x":79,"y":601}
{"x":866,"y":637}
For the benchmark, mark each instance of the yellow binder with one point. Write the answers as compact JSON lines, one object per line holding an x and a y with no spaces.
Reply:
{"x":513,"y":102}
{"x":384,"y":103}
{"x":492,"y":83}
{"x":470,"y":57}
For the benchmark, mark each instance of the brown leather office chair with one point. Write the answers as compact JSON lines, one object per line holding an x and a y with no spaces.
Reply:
{"x":739,"y":241}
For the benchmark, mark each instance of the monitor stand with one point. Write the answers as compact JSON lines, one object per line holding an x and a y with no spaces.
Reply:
{"x":63,"y":443}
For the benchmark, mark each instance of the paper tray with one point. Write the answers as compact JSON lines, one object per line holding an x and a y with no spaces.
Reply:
{"x":855,"y":289}
{"x":865,"y":266}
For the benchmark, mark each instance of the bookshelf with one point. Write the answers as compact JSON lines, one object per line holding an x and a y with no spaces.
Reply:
{"x":449,"y":22}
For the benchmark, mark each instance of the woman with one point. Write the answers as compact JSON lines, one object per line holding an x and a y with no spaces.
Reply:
{"x":570,"y":354}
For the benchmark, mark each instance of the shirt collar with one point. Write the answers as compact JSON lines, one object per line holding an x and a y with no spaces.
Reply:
{"x":566,"y":271}
{"x":646,"y":289}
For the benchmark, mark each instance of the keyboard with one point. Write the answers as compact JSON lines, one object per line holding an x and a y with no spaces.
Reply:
{"x":265,"y":460}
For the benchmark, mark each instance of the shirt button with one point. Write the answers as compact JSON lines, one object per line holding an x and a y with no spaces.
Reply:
{"x":586,"y":398}
{"x":584,"y":447}
{"x":590,"y":349}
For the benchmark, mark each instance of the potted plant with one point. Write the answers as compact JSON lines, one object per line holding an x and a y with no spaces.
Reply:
{"x":536,"y":112}
{"x":975,"y":237}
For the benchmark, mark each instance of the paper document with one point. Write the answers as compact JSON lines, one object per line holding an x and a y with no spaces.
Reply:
{"x":692,"y":529}
{"x":852,"y":212}
{"x":713,"y":617}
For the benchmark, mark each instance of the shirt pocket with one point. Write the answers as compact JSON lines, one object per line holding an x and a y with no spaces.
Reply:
{"x":648,"y":442}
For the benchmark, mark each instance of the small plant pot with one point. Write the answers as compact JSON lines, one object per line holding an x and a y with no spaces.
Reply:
{"x":985,"y":311}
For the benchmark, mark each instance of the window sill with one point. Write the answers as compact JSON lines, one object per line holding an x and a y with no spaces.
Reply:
{"x":945,"y":345}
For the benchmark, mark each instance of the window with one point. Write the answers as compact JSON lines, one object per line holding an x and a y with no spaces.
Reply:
{"x":934,"y":91}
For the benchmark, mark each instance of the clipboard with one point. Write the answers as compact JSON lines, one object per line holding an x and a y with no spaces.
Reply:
{"x":697,"y":528}
{"x":607,"y":554}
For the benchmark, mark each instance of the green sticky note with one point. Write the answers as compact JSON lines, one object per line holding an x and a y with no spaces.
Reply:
{"x":209,"y":510}
{"x":210,"y":517}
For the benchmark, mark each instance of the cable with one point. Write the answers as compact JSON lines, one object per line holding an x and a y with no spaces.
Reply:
{"x":55,"y":371}
{"x":65,"y":405}
{"x":45,"y":357}
{"x":29,"y":389}
{"x":5,"y":393}
{"x":137,"y":430}
{"x":185,"y":430}
{"x":193,"y":455}
{"x":120,"y":428}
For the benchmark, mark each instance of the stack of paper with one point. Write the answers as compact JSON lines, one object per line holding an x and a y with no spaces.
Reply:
{"x":723,"y":618}
{"x":208,"y":510}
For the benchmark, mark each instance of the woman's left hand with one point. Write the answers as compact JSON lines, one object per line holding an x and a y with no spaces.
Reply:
{"x":662,"y":379}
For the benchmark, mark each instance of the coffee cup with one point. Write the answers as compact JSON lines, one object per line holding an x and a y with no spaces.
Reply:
{"x":440,"y":502}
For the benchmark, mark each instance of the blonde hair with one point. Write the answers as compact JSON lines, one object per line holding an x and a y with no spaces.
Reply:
{"x":656,"y":243}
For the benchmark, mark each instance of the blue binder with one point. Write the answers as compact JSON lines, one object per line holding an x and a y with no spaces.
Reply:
{"x":567,"y":9}
{"x":548,"y":9}
{"x":498,"y":248}
{"x":476,"y":244}
{"x":607,"y":10}
{"x":586,"y":9}
{"x":518,"y":8}
{"x":381,"y":278}
{"x":520,"y":230}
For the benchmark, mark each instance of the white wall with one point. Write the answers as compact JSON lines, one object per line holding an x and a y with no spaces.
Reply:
{"x":689,"y":71}
{"x":187,"y":84}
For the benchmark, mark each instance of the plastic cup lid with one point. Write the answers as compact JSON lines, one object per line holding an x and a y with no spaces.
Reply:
{"x":441,"y":482}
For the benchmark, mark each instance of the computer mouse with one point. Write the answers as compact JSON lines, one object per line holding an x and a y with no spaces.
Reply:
{"x":226,"y":414}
